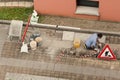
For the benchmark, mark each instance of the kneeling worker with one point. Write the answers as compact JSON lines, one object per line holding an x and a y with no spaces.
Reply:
{"x":93,"y":40}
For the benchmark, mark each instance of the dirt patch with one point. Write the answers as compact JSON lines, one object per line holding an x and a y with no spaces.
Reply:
{"x":82,"y":23}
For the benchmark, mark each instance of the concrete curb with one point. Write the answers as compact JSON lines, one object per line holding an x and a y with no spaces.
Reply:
{"x":64,"y":28}
{"x":16,"y":3}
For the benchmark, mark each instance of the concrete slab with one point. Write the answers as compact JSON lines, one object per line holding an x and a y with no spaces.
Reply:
{"x":68,"y":35}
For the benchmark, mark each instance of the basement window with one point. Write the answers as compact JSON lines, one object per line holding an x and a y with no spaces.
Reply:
{"x":88,"y":7}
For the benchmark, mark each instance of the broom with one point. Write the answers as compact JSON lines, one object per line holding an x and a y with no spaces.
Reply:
{"x":24,"y":47}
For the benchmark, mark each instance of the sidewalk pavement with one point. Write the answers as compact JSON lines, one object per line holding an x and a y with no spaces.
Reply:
{"x":53,"y":67}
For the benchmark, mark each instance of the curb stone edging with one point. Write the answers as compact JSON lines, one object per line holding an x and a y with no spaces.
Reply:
{"x":64,"y":28}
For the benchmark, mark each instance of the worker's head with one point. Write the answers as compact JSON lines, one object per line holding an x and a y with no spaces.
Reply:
{"x":99,"y":35}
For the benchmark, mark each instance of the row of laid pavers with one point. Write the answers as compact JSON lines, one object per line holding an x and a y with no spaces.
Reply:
{"x":3,"y":35}
{"x":61,"y":67}
{"x":113,"y":39}
{"x":50,"y":54}
{"x":4,"y":70}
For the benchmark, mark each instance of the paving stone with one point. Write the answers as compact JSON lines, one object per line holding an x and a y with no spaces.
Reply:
{"x":117,"y":74}
{"x":100,"y":78}
{"x":68,"y":35}
{"x":102,"y":72}
{"x":88,"y":71}
{"x":114,"y":74}
{"x":58,"y":67}
{"x":44,"y":65}
{"x":76,"y":69}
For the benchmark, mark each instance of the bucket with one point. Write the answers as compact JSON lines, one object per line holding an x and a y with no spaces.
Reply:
{"x":33,"y":45}
{"x":76,"y":43}
{"x":38,"y":40}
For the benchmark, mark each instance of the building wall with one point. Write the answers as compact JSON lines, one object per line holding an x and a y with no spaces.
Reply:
{"x":55,"y":7}
{"x":108,"y":9}
{"x":59,"y":7}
